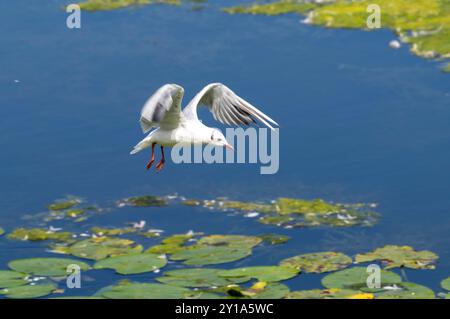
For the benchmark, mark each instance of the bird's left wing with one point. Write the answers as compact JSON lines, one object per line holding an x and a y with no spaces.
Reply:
{"x":163,"y":108}
{"x":226,"y":106}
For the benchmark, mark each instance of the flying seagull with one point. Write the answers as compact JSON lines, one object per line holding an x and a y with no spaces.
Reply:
{"x":175,"y":126}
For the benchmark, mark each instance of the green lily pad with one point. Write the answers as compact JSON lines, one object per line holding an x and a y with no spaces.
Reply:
{"x":230,"y":241}
{"x":132,"y":264}
{"x":356,"y":278}
{"x":145,"y":291}
{"x":28,"y":291}
{"x":260,"y":290}
{"x":144,"y":201}
{"x":272,"y":291}
{"x":45,"y":266}
{"x":408,"y":290}
{"x":39,"y":234}
{"x":262,"y":273}
{"x":446,"y":284}
{"x":274,"y":239}
{"x":2,"y":231}
{"x":318,"y":262}
{"x":216,"y":249}
{"x":400,"y":256}
{"x":171,"y":244}
{"x":197,"y":278}
{"x":103,"y":247}
{"x":333,"y":293}
{"x":209,"y":255}
{"x":10,"y":279}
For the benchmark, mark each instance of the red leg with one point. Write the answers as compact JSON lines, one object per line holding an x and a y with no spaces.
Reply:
{"x":160,"y":165}
{"x":149,"y":164}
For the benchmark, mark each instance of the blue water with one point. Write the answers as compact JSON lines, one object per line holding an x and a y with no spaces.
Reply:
{"x":359,"y":122}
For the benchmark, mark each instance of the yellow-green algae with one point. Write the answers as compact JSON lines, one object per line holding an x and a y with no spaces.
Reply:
{"x":272,"y":9}
{"x":101,"y":231}
{"x":64,"y":204}
{"x":294,"y":212}
{"x":39,"y":234}
{"x":98,"y":248}
{"x":400,"y":256}
{"x":333,"y":293}
{"x":144,"y":201}
{"x":274,"y":239}
{"x":171,"y":244}
{"x":101,"y":5}
{"x":425,"y":24}
{"x":318,"y":262}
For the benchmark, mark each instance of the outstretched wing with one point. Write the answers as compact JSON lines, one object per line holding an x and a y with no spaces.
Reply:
{"x":226,"y":107}
{"x":163,"y":108}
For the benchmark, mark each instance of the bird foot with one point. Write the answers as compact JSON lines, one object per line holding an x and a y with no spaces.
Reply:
{"x":149,"y":164}
{"x":160,"y":166}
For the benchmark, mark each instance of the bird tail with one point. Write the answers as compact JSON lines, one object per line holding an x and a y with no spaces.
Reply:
{"x":139,"y":147}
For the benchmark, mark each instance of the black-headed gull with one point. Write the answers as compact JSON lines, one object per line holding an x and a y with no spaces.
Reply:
{"x":175,"y":126}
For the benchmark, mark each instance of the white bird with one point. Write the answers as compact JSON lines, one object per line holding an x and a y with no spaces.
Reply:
{"x":175,"y":126}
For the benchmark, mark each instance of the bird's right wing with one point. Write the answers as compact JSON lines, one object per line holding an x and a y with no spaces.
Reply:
{"x":163,"y":108}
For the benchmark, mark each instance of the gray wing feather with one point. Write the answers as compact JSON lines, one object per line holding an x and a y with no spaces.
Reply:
{"x":163,"y":108}
{"x":226,"y":106}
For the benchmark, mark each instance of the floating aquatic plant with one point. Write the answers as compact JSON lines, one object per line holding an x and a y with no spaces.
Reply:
{"x":144,"y":201}
{"x":271,"y":9}
{"x":198,"y":278}
{"x":101,"y":5}
{"x":400,"y":256}
{"x":261,"y":273}
{"x":126,"y":290}
{"x":356,"y":279}
{"x":216,"y":249}
{"x":318,"y":262}
{"x":39,"y":234}
{"x":425,"y":24}
{"x":101,"y":231}
{"x":260,"y":290}
{"x":9,"y":278}
{"x":208,"y":255}
{"x":333,"y":293}
{"x":292,"y":212}
{"x":446,"y":284}
{"x":171,"y":244}
{"x":274,"y":239}
{"x":45,"y":266}
{"x":132,"y":264}
{"x":406,"y":290}
{"x":101,"y":248}
{"x":64,"y":204}
{"x":2,"y":231}
{"x":29,"y":291}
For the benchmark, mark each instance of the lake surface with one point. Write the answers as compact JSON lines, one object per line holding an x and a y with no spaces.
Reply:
{"x":359,"y":122}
